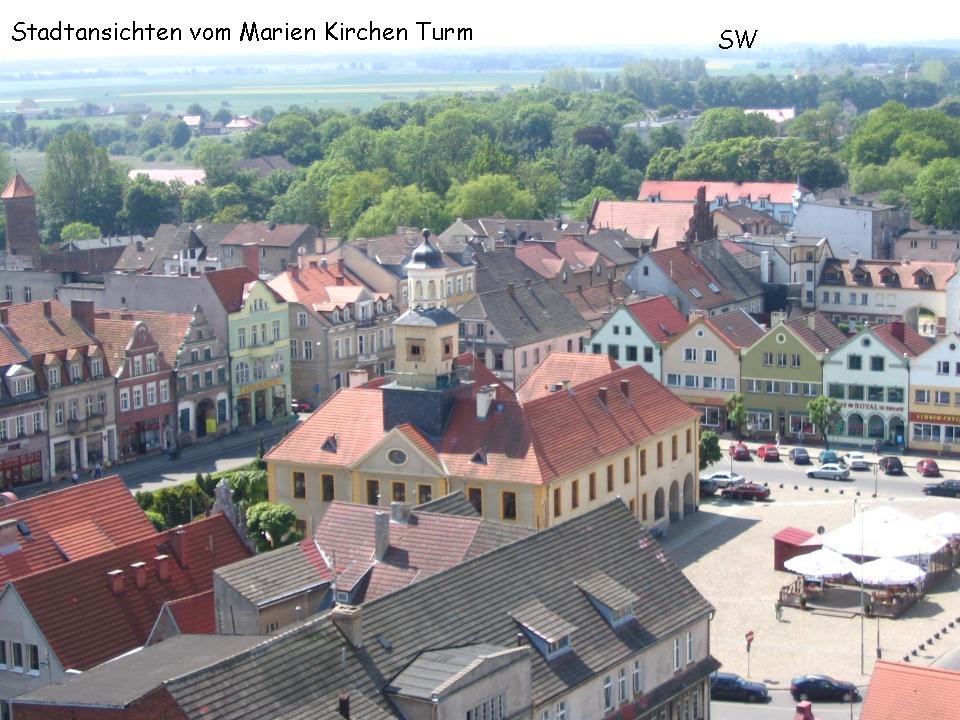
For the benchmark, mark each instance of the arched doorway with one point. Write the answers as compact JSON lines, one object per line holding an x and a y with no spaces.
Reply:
{"x":204,"y":411}
{"x":875,"y":426}
{"x":854,"y":425}
{"x":675,"y":501}
{"x":896,"y":429}
{"x":835,"y":424}
{"x":922,"y":319}
{"x":658,"y":504}
{"x":689,"y":498}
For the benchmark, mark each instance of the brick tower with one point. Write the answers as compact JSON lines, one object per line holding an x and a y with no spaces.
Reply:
{"x":20,"y":208}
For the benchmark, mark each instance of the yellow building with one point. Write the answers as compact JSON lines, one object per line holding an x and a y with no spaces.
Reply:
{"x":576,"y":434}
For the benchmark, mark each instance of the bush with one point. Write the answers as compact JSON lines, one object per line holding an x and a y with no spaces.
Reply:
{"x":157,"y":519}
{"x":144,"y":499}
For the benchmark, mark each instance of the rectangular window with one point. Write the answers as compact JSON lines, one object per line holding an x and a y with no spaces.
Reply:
{"x":781,"y":359}
{"x":607,"y":694}
{"x":575,"y":494}
{"x":326,"y":482}
{"x":622,"y":684}
{"x":373,"y":492}
{"x":509,"y":505}
{"x":689,"y":439}
{"x":922,"y":396}
{"x":592,"y":486}
{"x":676,"y":654}
{"x":728,"y":383}
{"x":943,"y":367}
{"x":626,"y":470}
{"x":424,"y":494}
{"x":926,"y":433}
{"x":875,"y":393}
{"x":151,"y":393}
{"x":710,"y":356}
{"x":58,"y":411}
{"x":942,"y":398}
{"x":556,"y":502}
{"x":17,"y":657}
{"x":609,"y":478}
{"x":137,"y":397}
{"x":709,"y":382}
{"x":475,"y":496}
{"x":691,"y":381}
{"x":241,"y":337}
{"x":301,"y":319}
{"x":631,"y":353}
{"x":854,"y":362}
{"x":836,"y":298}
{"x":299,"y":485}
{"x":689,"y":647}
{"x":863,"y":299}
{"x":876,"y":363}
{"x":643,"y":463}
{"x":835,"y":390}
{"x":673,"y":379}
{"x":825,"y":297}
{"x":561,"y":713}
{"x":53,"y":377}
{"x":276,"y":330}
{"x":647,"y":354}
{"x":768,"y":358}
{"x":895,"y":395}
{"x":673,"y":447}
{"x":855,"y":392}
{"x":637,"y":677}
{"x":660,"y":454}
{"x":795,"y":360}
{"x":613,"y":351}
{"x":689,"y":354}
{"x":3,"y":654}
{"x":399,"y":490}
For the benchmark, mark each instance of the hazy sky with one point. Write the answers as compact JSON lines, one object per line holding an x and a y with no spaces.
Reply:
{"x":495,"y":23}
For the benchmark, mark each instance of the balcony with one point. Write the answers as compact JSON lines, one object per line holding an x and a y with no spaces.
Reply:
{"x":90,"y":424}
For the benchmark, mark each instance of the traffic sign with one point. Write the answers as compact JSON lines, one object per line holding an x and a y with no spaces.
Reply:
{"x":749,"y":637}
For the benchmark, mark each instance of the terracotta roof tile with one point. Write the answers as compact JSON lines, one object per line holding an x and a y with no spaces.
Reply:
{"x":560,"y":367}
{"x":10,"y":352}
{"x":419,"y":441}
{"x":887,"y":273}
{"x":86,"y":623}
{"x":538,"y":258}
{"x":194,"y":614}
{"x":899,"y":691}
{"x":228,"y":286}
{"x":666,"y":222}
{"x":578,"y":254}
{"x":659,"y":317}
{"x":309,"y":285}
{"x":106,"y":504}
{"x":902,"y":338}
{"x":694,"y":268}
{"x":115,"y":328}
{"x":17,"y":188}
{"x":282,"y":235}
{"x":40,"y":334}
{"x":822,"y":337}
{"x":736,"y":327}
{"x":686,"y":190}
{"x":596,"y":303}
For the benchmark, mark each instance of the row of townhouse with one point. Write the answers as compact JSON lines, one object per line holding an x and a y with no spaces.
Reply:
{"x":893,"y":385}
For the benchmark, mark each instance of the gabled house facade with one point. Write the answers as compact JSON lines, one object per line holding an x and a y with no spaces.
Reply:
{"x":635,"y":333}
{"x":869,"y":375}
{"x":782,"y":372}
{"x":24,"y":445}
{"x":934,"y":397}
{"x":203,"y":382}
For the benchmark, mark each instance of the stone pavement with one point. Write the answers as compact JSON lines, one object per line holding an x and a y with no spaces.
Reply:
{"x":726,"y":550}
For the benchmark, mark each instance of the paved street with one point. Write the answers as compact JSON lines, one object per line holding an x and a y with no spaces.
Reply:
{"x":781,"y":707}
{"x":726,"y":550}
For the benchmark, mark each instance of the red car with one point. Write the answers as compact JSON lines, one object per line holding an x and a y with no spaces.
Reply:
{"x":746,"y":491}
{"x":768,"y":453}
{"x":928,"y":468}
{"x":301,"y":406}
{"x":739,"y":451}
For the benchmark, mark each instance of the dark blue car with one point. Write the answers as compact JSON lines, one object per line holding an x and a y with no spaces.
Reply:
{"x":728,"y":686}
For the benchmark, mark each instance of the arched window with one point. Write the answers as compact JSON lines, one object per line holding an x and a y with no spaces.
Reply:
{"x":875,"y":426}
{"x":419,"y":290}
{"x":431,"y":290}
{"x":658,"y":504}
{"x":855,"y":425}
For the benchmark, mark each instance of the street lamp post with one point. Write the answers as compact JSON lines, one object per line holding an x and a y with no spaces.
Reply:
{"x":876,"y":469}
{"x":862,"y":606}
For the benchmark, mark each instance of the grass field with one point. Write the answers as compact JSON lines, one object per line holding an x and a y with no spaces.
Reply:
{"x":30,"y":163}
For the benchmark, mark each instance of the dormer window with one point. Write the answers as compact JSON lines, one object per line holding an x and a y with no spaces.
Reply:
{"x":336,"y":316}
{"x":75,"y":374}
{"x":558,"y":646}
{"x":346,"y":313}
{"x":23,"y":385}
{"x":96,"y":368}
{"x":922,"y":278}
{"x":330,"y":444}
{"x":616,"y":603}
{"x":549,"y":633}
{"x":343,"y":597}
{"x":479,"y":457}
{"x":53,"y":377}
{"x":389,"y":304}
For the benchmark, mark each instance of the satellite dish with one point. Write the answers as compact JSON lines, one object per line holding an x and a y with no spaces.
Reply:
{"x":820,"y":530}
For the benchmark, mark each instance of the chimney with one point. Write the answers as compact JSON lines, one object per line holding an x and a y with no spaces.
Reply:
{"x":381,"y":534}
{"x":510,"y":289}
{"x":804,"y":711}
{"x":765,"y":267}
{"x":9,"y":536}
{"x":602,"y":394}
{"x":339,"y":280}
{"x":625,"y":388}
{"x":356,"y":377}
{"x":178,"y":545}
{"x":139,"y":245}
{"x":812,"y":321}
{"x":485,"y":396}
{"x":4,"y":316}
{"x":251,"y":258}
{"x":116,"y":581}
{"x":610,"y":284}
{"x":47,"y":310}
{"x":344,"y":706}
{"x":400,"y":512}
{"x":896,"y":329}
{"x":568,"y":385}
{"x":349,"y":621}
{"x":340,"y":268}
{"x":139,"y":574}
{"x":163,"y":566}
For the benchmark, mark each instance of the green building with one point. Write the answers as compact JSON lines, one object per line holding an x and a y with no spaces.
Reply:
{"x":783,"y":371}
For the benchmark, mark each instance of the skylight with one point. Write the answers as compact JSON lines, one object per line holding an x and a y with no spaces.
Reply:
{"x":713,"y":286}
{"x":696,"y":293}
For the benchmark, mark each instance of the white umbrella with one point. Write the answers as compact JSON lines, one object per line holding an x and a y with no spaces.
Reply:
{"x":884,"y":532}
{"x":822,"y":563}
{"x":888,"y":571}
{"x":946,"y":523}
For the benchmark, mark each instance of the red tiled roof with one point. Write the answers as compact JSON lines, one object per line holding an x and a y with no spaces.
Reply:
{"x":419,"y":441}
{"x":793,"y":536}
{"x":668,"y":223}
{"x":17,"y":188}
{"x":874,"y":271}
{"x":686,"y":190}
{"x":734,"y":248}
{"x":822,"y":337}
{"x":559,"y":367}
{"x":10,"y":354}
{"x":659,"y":317}
{"x":539,"y":259}
{"x":72,"y":523}
{"x":40,"y":334}
{"x":901,"y":691}
{"x":283,"y":235}
{"x":687,"y":272}
{"x":86,"y":623}
{"x":115,"y":328}
{"x":598,"y":302}
{"x":308,"y":285}
{"x":228,"y":285}
{"x":578,"y":254}
{"x":901,"y":338}
{"x":194,"y":614}
{"x":736,"y":327}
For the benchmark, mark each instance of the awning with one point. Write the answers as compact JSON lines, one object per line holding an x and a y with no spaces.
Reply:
{"x":888,"y":571}
{"x":946,"y":524}
{"x":822,"y":563}
{"x":884,"y":532}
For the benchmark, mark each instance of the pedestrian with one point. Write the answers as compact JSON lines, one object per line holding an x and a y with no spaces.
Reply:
{"x":778,"y":438}
{"x":800,"y":438}
{"x":779,"y":609}
{"x":97,"y":470}
{"x":75,"y":478}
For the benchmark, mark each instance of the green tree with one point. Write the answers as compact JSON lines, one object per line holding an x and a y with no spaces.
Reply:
{"x":728,"y":122}
{"x":6,"y":168}
{"x":491,"y":194}
{"x":271,"y":525}
{"x":821,"y":411}
{"x":736,"y":414}
{"x":79,"y":231}
{"x":249,"y":486}
{"x":159,"y":523}
{"x":349,"y":198}
{"x":178,"y":134}
{"x":540,"y":178}
{"x":218,"y":161}
{"x":223,"y":115}
{"x":490,"y":157}
{"x":583,"y":208}
{"x":231,"y":214}
{"x":709,"y":448}
{"x":408,"y":206}
{"x":196,"y":204}
{"x":196,"y":109}
{"x":146,"y":204}
{"x":79,"y":183}
{"x":935,"y":196}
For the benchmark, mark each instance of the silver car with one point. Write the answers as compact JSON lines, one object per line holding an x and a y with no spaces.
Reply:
{"x":830,"y":471}
{"x":856,"y":461}
{"x":724,"y":478}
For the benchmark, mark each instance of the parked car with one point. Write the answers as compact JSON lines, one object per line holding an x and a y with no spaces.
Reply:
{"x":828,"y":456}
{"x":768,"y":453}
{"x":724,"y":478}
{"x":729,"y":686}
{"x":856,"y":461}
{"x":739,"y":451}
{"x":947,"y":488}
{"x":823,"y":687}
{"x":746,"y":491}
{"x":891,"y":465}
{"x":708,"y":487}
{"x":799,"y":456}
{"x":301,"y":406}
{"x":830,"y":471}
{"x":928,"y":468}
